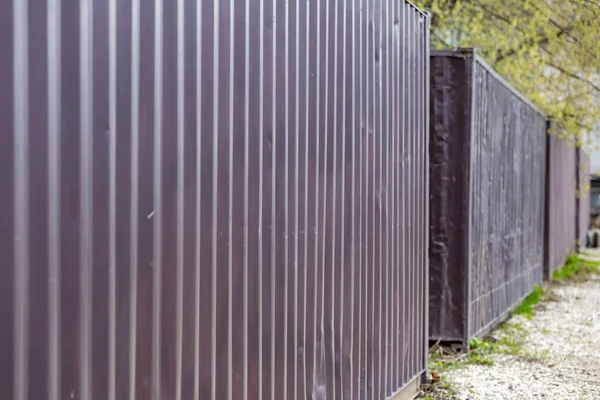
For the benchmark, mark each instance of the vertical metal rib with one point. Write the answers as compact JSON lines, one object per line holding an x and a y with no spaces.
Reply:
{"x":261,"y":128}
{"x":343,"y":198}
{"x":324,"y":216}
{"x":198,"y":232}
{"x":246,"y":184}
{"x":306,"y":180}
{"x":372,"y":91}
{"x":297,"y":197}
{"x":286,"y":225}
{"x":112,"y":201}
{"x":403,"y":130}
{"x":427,"y":135}
{"x":421,"y":152}
{"x":21,"y":199}
{"x":389,"y":205}
{"x":408,"y":152}
{"x":317,"y":167}
{"x":378,"y":88}
{"x":54,"y":150}
{"x":273,"y":184}
{"x":86,"y":176}
{"x":385,"y":26}
{"x":392,"y":248}
{"x":230,"y":213}
{"x":394,"y":203}
{"x":180,"y":192}
{"x":424,"y":181}
{"x":158,"y":217}
{"x":334,"y":134}
{"x":133,"y":223}
{"x":369,"y":264}
{"x":397,"y":69}
{"x":361,"y":200}
{"x":353,"y":194}
{"x":411,"y":181}
{"x":215,"y":183}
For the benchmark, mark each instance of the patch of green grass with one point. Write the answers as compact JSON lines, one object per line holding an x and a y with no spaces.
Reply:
{"x":510,"y":344}
{"x":481,"y":358}
{"x":481,"y":351}
{"x":429,"y":397}
{"x":477,"y":344}
{"x":527,"y":306}
{"x":576,"y":266}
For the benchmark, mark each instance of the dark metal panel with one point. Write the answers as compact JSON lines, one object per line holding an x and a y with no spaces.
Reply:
{"x":449,"y":199}
{"x":213,"y":199}
{"x":487,"y":172}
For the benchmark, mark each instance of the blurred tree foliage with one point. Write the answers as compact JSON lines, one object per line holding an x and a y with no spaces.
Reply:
{"x":548,"y":49}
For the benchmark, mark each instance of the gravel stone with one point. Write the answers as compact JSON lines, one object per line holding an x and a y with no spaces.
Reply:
{"x":563,"y":348}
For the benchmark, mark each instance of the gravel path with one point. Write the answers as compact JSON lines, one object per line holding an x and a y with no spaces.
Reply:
{"x":559,"y":360}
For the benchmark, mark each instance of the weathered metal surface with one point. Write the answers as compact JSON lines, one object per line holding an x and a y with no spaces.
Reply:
{"x":450,"y":106}
{"x":487,"y":205}
{"x":212,"y":199}
{"x":561,"y":225}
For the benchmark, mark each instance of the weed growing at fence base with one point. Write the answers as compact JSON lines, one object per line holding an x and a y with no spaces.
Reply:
{"x":508,"y":340}
{"x":576,"y":267}
{"x":527,"y":306}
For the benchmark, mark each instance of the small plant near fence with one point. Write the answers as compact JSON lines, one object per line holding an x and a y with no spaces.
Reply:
{"x":577,"y":267}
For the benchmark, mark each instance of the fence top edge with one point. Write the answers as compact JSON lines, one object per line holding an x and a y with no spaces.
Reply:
{"x":471,"y":53}
{"x":411,"y":4}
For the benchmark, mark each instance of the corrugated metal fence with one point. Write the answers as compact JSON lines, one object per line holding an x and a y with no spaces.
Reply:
{"x":212,"y":199}
{"x":561,"y":224}
{"x":487,"y":209}
{"x":583,"y":197}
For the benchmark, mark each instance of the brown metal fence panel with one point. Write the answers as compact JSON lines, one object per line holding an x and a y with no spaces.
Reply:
{"x":213,"y":199}
{"x":561,"y":224}
{"x":487,"y":206}
{"x":583,"y":197}
{"x":450,"y":129}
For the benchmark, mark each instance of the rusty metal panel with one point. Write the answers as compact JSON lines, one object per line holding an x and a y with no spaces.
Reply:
{"x":213,"y":199}
{"x":487,"y":205}
{"x":561,"y":224}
